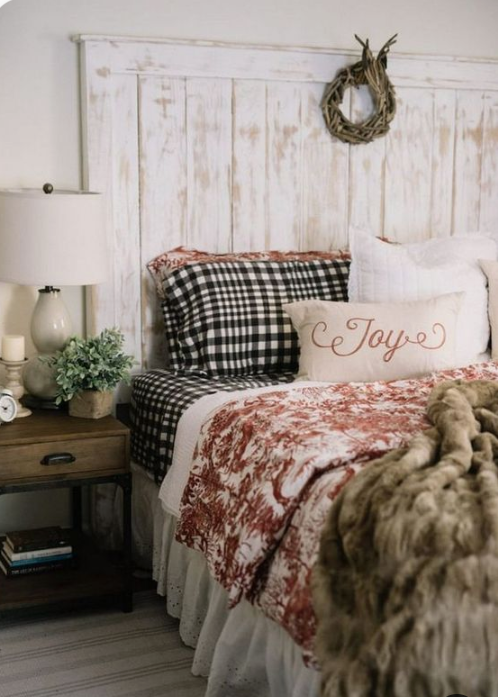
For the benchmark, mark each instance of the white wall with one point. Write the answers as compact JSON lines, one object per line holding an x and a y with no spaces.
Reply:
{"x":39,"y":114}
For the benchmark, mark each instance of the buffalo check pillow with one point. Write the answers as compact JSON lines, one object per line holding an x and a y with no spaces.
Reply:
{"x":173,"y":350}
{"x":229,"y":316}
{"x":162,"y":266}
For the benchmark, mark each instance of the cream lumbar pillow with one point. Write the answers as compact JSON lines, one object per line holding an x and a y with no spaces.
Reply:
{"x":383,"y":272}
{"x":365,"y":342}
{"x":490,"y":268}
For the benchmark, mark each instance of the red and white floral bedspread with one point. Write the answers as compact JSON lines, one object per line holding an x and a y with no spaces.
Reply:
{"x":266,"y":469}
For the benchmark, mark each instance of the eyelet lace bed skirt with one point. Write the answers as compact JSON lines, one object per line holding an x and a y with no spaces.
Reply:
{"x":243,"y":653}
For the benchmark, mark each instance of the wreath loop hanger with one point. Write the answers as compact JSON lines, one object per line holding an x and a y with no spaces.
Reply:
{"x":368,"y":71}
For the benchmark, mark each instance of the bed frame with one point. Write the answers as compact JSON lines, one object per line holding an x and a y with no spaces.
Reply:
{"x":223,"y":147}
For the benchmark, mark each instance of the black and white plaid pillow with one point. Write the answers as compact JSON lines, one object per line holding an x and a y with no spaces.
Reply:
{"x":175,"y":360}
{"x":230,"y":318}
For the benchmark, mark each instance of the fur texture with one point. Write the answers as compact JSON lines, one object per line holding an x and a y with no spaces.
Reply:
{"x":406,"y":585}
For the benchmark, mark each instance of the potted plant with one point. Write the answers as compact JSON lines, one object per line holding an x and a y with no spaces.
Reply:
{"x":87,"y":371}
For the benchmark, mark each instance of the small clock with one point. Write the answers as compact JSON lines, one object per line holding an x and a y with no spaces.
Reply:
{"x":8,"y":405}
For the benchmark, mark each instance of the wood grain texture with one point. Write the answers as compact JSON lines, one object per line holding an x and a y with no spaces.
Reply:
{"x":443,"y":152}
{"x":468,"y":161}
{"x":488,"y":214}
{"x":209,"y":164}
{"x":366,"y":178}
{"x":91,"y":455}
{"x":283,"y":166}
{"x":324,"y":208}
{"x":44,"y":427}
{"x":99,"y":446}
{"x":249,"y":165}
{"x":212,"y":59}
{"x":233,"y":154}
{"x":163,"y":192}
{"x":97,"y":127}
{"x":94,"y":576}
{"x":126,"y":222}
{"x":409,"y":156}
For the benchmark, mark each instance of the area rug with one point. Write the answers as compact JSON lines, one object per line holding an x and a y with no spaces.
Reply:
{"x":102,"y":653}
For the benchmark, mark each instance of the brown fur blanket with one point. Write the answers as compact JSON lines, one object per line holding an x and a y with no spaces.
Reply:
{"x":406,"y":585}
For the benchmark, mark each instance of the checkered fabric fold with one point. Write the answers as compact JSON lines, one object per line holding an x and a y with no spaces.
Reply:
{"x":159,"y":398}
{"x":173,"y":351}
{"x":229,"y":317}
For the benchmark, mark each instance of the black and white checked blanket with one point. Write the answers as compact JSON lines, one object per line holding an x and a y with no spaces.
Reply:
{"x":159,"y":398}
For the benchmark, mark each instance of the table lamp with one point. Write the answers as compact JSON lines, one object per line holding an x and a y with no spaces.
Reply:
{"x":48,"y":238}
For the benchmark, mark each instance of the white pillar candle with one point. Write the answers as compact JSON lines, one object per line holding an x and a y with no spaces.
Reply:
{"x":13,"y":347}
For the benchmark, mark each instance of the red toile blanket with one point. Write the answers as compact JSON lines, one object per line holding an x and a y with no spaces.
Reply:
{"x":266,"y":469}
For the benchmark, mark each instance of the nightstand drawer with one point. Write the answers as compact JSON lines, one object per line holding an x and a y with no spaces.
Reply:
{"x":90,"y":454}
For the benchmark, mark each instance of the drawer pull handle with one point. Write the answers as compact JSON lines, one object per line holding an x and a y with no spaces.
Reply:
{"x":58,"y":459}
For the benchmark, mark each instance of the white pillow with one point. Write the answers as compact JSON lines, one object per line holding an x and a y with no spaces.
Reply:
{"x":490,"y":268}
{"x":384,"y":272}
{"x":364,"y":342}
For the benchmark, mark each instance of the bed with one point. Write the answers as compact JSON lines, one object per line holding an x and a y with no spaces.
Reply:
{"x":312,"y":436}
{"x":222,"y":148}
{"x":248,"y":649}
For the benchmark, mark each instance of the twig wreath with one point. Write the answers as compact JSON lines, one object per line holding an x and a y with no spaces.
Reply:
{"x":369,"y":71}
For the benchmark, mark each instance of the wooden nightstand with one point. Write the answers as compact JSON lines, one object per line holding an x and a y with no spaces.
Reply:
{"x":28,"y":462}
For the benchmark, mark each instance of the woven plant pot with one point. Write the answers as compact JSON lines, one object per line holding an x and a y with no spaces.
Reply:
{"x":91,"y":404}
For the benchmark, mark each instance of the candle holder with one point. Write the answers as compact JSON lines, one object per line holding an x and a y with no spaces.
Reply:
{"x":14,"y":383}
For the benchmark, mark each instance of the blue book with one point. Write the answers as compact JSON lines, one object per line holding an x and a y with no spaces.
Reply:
{"x":40,"y":560}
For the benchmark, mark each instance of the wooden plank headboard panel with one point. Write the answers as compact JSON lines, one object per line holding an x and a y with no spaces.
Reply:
{"x":223,"y":147}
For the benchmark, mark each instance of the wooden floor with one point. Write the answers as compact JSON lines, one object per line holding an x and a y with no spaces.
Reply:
{"x":98,"y":653}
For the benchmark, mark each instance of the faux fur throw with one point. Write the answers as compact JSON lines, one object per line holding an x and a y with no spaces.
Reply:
{"x":406,"y":585}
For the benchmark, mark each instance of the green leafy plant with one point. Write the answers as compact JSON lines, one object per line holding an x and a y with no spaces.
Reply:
{"x":98,"y":363}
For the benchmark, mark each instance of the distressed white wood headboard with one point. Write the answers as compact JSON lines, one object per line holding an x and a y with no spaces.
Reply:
{"x":223,"y":147}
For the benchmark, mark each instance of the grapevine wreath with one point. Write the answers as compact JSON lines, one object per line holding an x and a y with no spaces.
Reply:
{"x":369,"y":71}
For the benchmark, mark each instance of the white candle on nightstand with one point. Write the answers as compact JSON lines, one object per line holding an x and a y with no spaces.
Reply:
{"x":12,"y":347}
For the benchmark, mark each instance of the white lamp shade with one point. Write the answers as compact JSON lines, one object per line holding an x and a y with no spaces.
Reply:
{"x":52,"y":239}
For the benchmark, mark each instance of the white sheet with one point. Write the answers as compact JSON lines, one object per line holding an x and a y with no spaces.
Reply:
{"x":187,"y":433}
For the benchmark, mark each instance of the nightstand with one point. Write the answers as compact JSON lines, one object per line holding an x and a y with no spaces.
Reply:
{"x":50,"y":450}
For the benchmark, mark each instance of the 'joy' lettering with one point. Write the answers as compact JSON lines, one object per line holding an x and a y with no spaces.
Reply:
{"x":362,"y":333}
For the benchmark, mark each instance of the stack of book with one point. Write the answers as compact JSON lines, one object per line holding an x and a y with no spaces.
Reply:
{"x":33,"y":551}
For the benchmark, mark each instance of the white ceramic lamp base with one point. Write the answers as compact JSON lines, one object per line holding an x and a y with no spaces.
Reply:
{"x":50,"y":330}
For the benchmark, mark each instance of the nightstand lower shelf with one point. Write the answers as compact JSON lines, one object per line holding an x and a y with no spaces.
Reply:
{"x":94,"y":576}
{"x":54,"y":451}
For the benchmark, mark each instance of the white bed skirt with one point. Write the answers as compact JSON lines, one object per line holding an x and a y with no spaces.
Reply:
{"x":243,"y":653}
